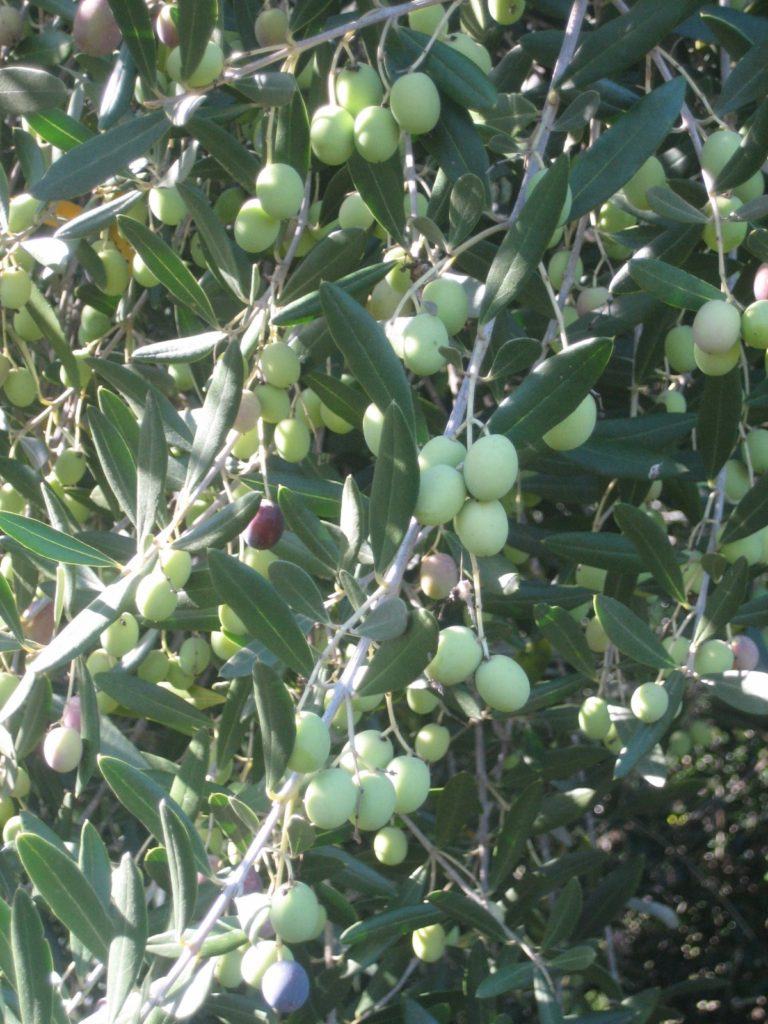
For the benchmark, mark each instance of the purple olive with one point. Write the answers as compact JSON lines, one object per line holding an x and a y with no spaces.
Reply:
{"x":95,"y":30}
{"x":285,"y":986}
{"x":266,"y":527}
{"x":760,"y":284}
{"x":72,"y":716}
{"x":746,"y":654}
{"x":166,"y":25}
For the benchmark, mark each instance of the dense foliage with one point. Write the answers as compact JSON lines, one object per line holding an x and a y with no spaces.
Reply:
{"x":384,"y":511}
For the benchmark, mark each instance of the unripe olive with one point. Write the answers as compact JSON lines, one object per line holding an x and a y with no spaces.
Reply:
{"x":154,"y":667}
{"x":224,"y":646}
{"x":471,"y":49}
{"x":116,"y":269}
{"x":227,"y":968}
{"x":275,"y":403}
{"x":411,"y":780}
{"x":376,"y":134}
{"x":208,"y":69}
{"x":750,"y":189}
{"x":280,"y":190}
{"x":591,"y":299}
{"x":736,"y":479}
{"x":375,"y":801}
{"x":451,"y":302}
{"x":732,"y":232}
{"x":292,"y":440}
{"x":503,"y":683}
{"x":718,"y":150}
{"x":335,"y":423}
{"x":259,"y":958}
{"x":420,"y":698}
{"x":442,"y":451}
{"x":308,"y":408}
{"x":596,"y":637}
{"x":62,"y":749}
{"x":678,"y":348}
{"x":7,"y":813}
{"x":354,"y":213}
{"x":141,"y":272}
{"x":438,"y":575}
{"x":746,"y":654}
{"x":5,"y":368}
{"x":750,"y":547}
{"x":155,"y":598}
{"x":358,"y":87}
{"x":506,"y":12}
{"x":564,"y":212}
{"x":94,"y":29}
{"x":415,"y":103}
{"x":70,"y":467}
{"x":428,"y":943}
{"x":679,"y":744}
{"x":457,"y":656}
{"x":10,"y":499}
{"x":673,"y":400}
{"x":717,"y":364}
{"x":482,"y":527}
{"x":194,"y":656}
{"x":427,"y":19}
{"x":312,"y":744}
{"x":713,"y":657}
{"x":373,"y":423}
{"x":176,"y":566}
{"x":293,"y":912}
{"x":8,"y":684}
{"x":594,"y":719}
{"x":93,"y":324}
{"x":25,"y":326}
{"x":371,"y":748}
{"x":259,"y":560}
{"x":271,"y":27}
{"x":754,"y":324}
{"x":390,"y":846}
{"x":490,"y":467}
{"x":441,"y":495}
{"x":11,"y":26}
{"x":15,"y":287}
{"x":575,"y":429}
{"x":331,"y":134}
{"x":330,"y":798}
{"x":650,"y":175}
{"x":432,"y":742}
{"x":230,"y":620}
{"x":279,"y":365}
{"x":248,"y":413}
{"x":22,"y":212}
{"x":254,"y":229}
{"x":422,"y":339}
{"x":756,"y":445}
{"x":121,"y":636}
{"x":167,"y":205}
{"x":557,"y":266}
{"x":649,"y":702}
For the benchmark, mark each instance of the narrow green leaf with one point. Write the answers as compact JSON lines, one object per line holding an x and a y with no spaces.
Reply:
{"x":381,"y":187}
{"x":88,"y":165}
{"x":455,"y":75}
{"x":93,"y":861}
{"x":9,"y":613}
{"x":214,"y":237}
{"x":387,"y":621}
{"x":48,"y":324}
{"x":70,"y":897}
{"x":456,"y":145}
{"x":222,"y":401}
{"x":298,"y":589}
{"x":146,"y":700}
{"x":358,"y":284}
{"x":630,"y":634}
{"x":398,"y":662}
{"x":117,"y":460}
{"x":610,"y":897}
{"x":562,"y":809}
{"x":132,"y":17}
{"x":513,"y":357}
{"x":119,"y":91}
{"x":717,"y":428}
{"x":564,"y":915}
{"x":610,"y":162}
{"x":179,"y":350}
{"x":59,"y":129}
{"x":181,"y":866}
{"x":46,"y":542}
{"x":197,"y":20}
{"x":669,"y":204}
{"x":723,"y":602}
{"x":745,"y":691}
{"x":126,"y":950}
{"x":26,"y":90}
{"x":34,"y":718}
{"x":189,"y":782}
{"x":547,"y":1004}
{"x":392,"y":923}
{"x":526,"y":241}
{"x":221,"y":527}
{"x":551,"y":391}
{"x":266,"y":616}
{"x":277,"y":722}
{"x":608,"y":551}
{"x":292,"y":135}
{"x":141,"y":797}
{"x":467,"y":204}
{"x":93,"y":220}
{"x":672,"y":285}
{"x":748,"y":81}
{"x":226,"y":150}
{"x":341,"y":398}
{"x":645,"y":737}
{"x":566,"y":636}
{"x":506,"y":979}
{"x":32,"y":961}
{"x":395,"y":487}
{"x":514,"y":833}
{"x":151,"y":469}
{"x":751,"y":154}
{"x":750,"y":515}
{"x":653,"y":548}
{"x":457,"y":806}
{"x":338,"y":254}
{"x":458,"y":907}
{"x":167,"y":267}
{"x":309,"y":528}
